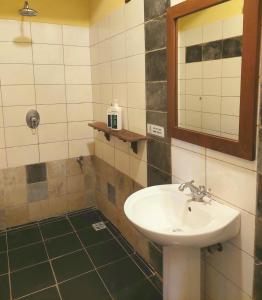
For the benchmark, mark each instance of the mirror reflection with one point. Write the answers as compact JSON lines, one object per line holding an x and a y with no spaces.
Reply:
{"x":209,"y":69}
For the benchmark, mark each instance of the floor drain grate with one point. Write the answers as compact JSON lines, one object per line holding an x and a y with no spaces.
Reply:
{"x":99,"y":226}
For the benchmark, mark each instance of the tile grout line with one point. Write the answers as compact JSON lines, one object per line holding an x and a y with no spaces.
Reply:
{"x":130,"y":256}
{"x":50,"y":263}
{"x":34,"y":84}
{"x":34,"y":293}
{"x":90,"y":258}
{"x":65,"y":87}
{"x":114,"y":237}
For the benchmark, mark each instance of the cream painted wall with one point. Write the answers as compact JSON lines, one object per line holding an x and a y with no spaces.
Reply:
{"x":73,"y":12}
{"x":99,"y":9}
{"x":212,"y":14}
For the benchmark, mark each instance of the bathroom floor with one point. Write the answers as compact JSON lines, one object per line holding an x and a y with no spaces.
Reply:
{"x":66,"y":258}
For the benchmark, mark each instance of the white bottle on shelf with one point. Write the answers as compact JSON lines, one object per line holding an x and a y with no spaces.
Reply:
{"x":116,"y":113}
{"x":109,"y":116}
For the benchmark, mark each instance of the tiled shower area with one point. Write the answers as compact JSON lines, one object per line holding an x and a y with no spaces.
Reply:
{"x":66,"y":258}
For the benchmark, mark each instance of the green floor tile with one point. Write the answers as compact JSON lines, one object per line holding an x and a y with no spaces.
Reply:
{"x":85,"y":219}
{"x":157,"y":282}
{"x":2,"y":243}
{"x":4,"y":287}
{"x":126,"y":245}
{"x":105,"y":253}
{"x":121,"y":276}
{"x":88,"y":286}
{"x":48,"y":294}
{"x":31,"y":279}
{"x":71,"y":265}
{"x":141,"y":263}
{"x":21,"y":237}
{"x":91,"y":237}
{"x":62,"y":245}
{"x":135,"y":291}
{"x":156,"y":258}
{"x":27,"y":256}
{"x":55,"y":228}
{"x":3,"y":263}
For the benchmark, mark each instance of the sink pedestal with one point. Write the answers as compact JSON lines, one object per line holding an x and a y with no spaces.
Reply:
{"x":182,"y":273}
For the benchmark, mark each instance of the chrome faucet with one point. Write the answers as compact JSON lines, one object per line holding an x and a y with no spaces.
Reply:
{"x":198,"y":193}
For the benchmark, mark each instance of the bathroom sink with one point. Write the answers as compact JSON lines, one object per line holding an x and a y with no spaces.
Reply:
{"x":166,"y":216}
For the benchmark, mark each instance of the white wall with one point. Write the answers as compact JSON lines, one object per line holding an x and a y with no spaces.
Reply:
{"x":44,"y":67}
{"x":118,"y":71}
{"x":229,"y":274}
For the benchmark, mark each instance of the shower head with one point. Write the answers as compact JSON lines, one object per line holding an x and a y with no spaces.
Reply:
{"x":26,"y":11}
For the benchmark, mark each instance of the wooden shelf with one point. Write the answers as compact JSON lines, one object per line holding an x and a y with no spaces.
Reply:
{"x":123,"y":135}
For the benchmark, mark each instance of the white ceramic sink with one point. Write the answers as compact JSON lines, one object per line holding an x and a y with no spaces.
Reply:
{"x":166,"y":216}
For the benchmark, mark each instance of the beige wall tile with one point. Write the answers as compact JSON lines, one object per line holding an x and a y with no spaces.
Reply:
{"x":79,"y":130}
{"x":122,"y":162}
{"x":15,"y":53}
{"x":77,"y":74}
{"x":15,"y":194}
{"x":52,"y":133}
{"x":53,"y":151}
{"x":81,"y":147}
{"x":2,"y":138}
{"x":47,"y":54}
{"x":137,"y":120}
{"x":15,"y":115}
{"x":10,"y":29}
{"x":74,"y":35}
{"x":49,"y":74}
{"x":20,"y":136}
{"x":138,"y":171}
{"x":24,"y":155}
{"x":79,"y":93}
{"x":38,"y":210}
{"x":52,"y":113}
{"x":232,"y":183}
{"x":58,"y":206}
{"x":46,"y":33}
{"x":18,"y":95}
{"x":16,"y":74}
{"x":50,"y":94}
{"x":17,"y":215}
{"x":76,"y":55}
{"x":3,"y":161}
{"x":80,"y":112}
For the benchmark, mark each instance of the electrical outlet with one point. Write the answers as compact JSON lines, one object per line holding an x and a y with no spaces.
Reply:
{"x":156,"y":130}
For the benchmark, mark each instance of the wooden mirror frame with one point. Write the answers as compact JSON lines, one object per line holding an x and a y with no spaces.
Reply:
{"x":245,"y":147}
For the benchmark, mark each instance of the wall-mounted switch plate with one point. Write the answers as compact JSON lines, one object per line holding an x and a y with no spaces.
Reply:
{"x":156,"y":130}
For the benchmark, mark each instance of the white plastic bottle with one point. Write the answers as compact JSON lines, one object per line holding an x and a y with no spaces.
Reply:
{"x":116,"y":113}
{"x":109,"y":116}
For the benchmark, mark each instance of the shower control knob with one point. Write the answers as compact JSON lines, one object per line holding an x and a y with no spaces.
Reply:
{"x":32,"y":119}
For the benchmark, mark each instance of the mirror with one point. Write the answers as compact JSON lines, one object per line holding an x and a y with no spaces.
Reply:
{"x":213,"y":60}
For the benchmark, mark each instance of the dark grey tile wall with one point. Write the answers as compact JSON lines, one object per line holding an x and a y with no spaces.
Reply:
{"x":159,"y":148}
{"x":155,"y":8}
{"x":155,"y":36}
{"x":156,"y":65}
{"x":227,"y":48}
{"x":36,"y":173}
{"x":156,"y":96}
